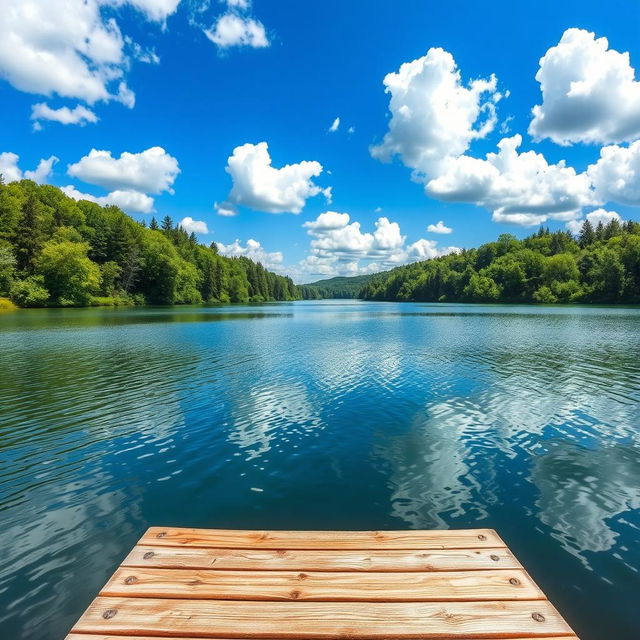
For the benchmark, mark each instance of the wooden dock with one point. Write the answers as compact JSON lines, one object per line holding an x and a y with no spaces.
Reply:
{"x":208,"y":583}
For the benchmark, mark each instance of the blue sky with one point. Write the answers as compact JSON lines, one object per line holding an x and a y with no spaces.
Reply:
{"x":210,"y":77}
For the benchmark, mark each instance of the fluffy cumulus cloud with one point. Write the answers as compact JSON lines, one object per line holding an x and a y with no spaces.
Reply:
{"x":129,"y":178}
{"x":520,"y":188}
{"x":71,"y":49}
{"x":439,"y":227}
{"x":127,"y":200}
{"x":193,"y":226}
{"x":616,"y":174}
{"x":260,"y":186}
{"x":595,"y":218}
{"x":589,"y":92}
{"x":237,"y":28}
{"x":11,"y":172}
{"x":434,"y":114}
{"x":78,"y":115}
{"x":340,"y":247}
{"x":150,"y":171}
{"x":253,"y":250}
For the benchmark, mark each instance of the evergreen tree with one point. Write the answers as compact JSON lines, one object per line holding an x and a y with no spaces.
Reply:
{"x":167,"y":224}
{"x":154,"y":224}
{"x":587,"y":235}
{"x":29,"y":237}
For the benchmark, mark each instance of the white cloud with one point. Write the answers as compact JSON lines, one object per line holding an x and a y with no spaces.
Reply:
{"x":253,"y":250}
{"x":239,"y":4}
{"x":61,"y":47}
{"x":260,"y":186}
{"x":78,"y":115}
{"x":11,"y":172}
{"x":334,"y":125}
{"x":72,"y":49}
{"x":193,"y":226}
{"x":595,"y":218}
{"x":616,"y":174}
{"x":151,"y":171}
{"x":519,"y":188}
{"x":340,"y":247}
{"x":233,"y":30}
{"x":589,"y":92}
{"x":433,"y":114}
{"x":131,"y":201}
{"x":439,"y":227}
{"x":156,"y":10}
{"x":226,"y":209}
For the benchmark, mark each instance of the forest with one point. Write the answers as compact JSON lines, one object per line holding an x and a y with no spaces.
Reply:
{"x":338,"y":287}
{"x":55,"y":251}
{"x":600,"y":265}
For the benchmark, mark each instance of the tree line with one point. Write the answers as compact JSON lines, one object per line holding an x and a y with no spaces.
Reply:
{"x":600,"y":265}
{"x":55,"y":251}
{"x":338,"y":287}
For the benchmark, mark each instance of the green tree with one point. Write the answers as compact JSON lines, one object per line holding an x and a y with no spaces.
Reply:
{"x":69,"y":275}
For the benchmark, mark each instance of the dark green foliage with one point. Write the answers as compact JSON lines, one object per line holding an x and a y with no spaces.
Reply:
{"x":339,"y":287}
{"x":601,"y":265}
{"x":56,"y":251}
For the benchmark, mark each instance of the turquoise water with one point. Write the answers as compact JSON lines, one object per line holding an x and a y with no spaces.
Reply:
{"x":327,"y":415}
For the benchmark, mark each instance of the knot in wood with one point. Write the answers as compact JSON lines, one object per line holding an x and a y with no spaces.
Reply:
{"x":148,"y":555}
{"x":109,"y":613}
{"x":130,"y":580}
{"x":538,"y":617}
{"x":162,"y":534}
{"x":514,"y":581}
{"x":302,"y":576}
{"x":482,"y":537}
{"x":494,"y":557}
{"x":294,"y":595}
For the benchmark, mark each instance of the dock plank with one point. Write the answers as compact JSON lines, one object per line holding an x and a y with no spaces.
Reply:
{"x":321,"y":586}
{"x":321,"y":560}
{"x":93,"y":636}
{"x":320,"y":620}
{"x":445,"y":539}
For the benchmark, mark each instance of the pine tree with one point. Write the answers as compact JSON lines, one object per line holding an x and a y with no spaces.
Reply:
{"x":167,"y":224}
{"x":29,"y":238}
{"x":587,"y":235}
{"x":154,"y":224}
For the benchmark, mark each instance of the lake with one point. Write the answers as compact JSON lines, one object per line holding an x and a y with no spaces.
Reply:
{"x":325,"y":415}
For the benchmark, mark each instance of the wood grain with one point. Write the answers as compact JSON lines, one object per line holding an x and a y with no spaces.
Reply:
{"x":101,"y":636}
{"x":447,"y":539}
{"x":321,"y":560}
{"x":320,"y":620}
{"x":322,"y":586}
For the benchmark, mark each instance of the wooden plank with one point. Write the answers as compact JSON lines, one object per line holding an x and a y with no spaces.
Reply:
{"x":100,"y":636}
{"x":321,"y":560}
{"x":320,"y":620}
{"x":459,"y":539}
{"x":211,"y":584}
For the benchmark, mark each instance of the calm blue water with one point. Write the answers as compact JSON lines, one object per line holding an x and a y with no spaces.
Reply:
{"x":327,"y":415}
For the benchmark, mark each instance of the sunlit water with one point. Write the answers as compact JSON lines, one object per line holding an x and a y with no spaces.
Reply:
{"x":327,"y":415}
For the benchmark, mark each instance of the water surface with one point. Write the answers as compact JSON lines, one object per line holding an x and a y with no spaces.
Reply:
{"x":325,"y":415}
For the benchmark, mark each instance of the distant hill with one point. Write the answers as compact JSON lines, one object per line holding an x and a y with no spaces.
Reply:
{"x":338,"y":287}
